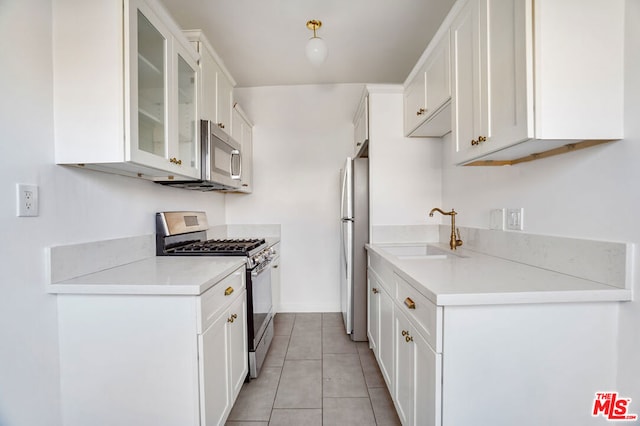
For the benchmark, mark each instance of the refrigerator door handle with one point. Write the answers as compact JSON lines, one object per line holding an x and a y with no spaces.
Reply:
{"x":344,"y":185}
{"x":347,"y":219}
{"x":344,"y":252}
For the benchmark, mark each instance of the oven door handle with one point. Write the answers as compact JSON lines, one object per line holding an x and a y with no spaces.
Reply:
{"x":260,"y":268}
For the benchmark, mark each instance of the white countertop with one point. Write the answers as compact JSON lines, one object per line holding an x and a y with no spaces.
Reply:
{"x":159,"y":275}
{"x":479,"y":279}
{"x":272,"y":241}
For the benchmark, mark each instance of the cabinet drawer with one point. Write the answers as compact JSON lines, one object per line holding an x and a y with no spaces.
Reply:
{"x":384,"y":272}
{"x":426,"y":316}
{"x":219,"y":297}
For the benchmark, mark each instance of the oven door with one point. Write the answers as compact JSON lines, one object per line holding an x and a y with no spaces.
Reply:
{"x":259,"y":302}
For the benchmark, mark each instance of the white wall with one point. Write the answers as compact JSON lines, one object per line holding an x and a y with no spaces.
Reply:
{"x":627,"y":190}
{"x":405,"y":173}
{"x":301,"y":137}
{"x":588,"y":194}
{"x":75,"y":206}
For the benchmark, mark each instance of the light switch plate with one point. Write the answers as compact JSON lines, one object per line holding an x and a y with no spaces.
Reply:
{"x":496,"y":219}
{"x":514,"y":220}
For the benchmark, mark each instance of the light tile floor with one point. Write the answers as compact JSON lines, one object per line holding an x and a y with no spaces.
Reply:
{"x":315,"y":375}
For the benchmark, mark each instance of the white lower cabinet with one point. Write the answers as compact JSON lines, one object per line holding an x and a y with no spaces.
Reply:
{"x":373,"y":312}
{"x":275,"y":278}
{"x":405,"y":369}
{"x":153,"y":360}
{"x":223,"y":362}
{"x":237,"y":345}
{"x":410,"y":366}
{"x":380,"y":331}
{"x":428,"y":385}
{"x":501,"y":365}
{"x":418,"y":373}
{"x":215,"y":374}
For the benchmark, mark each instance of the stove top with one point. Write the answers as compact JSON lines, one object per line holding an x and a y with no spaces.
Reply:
{"x":184,"y":233}
{"x":227,"y":247}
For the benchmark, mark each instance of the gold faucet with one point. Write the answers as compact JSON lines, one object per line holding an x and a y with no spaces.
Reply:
{"x":453,"y":242}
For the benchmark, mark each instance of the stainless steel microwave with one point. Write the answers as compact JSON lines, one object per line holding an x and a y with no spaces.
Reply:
{"x":221,"y":156}
{"x":221,"y":161}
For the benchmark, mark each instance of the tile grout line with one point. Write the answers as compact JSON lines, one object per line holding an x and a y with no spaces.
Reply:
{"x":324,"y":322}
{"x":375,"y":419}
{"x":293,"y":324}
{"x":281,"y":369}
{"x":322,"y":368}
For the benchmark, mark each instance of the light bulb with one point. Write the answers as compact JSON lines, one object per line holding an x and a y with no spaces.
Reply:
{"x":316,"y":50}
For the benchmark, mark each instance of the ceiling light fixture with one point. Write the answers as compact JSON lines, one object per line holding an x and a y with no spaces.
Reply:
{"x":316,"y":48}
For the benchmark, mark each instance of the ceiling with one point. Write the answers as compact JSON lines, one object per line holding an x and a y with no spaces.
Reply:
{"x":262,"y":41}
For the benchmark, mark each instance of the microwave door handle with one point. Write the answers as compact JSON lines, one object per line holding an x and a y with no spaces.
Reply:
{"x":235,"y":154}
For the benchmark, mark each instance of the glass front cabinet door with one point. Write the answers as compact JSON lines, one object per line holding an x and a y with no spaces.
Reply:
{"x":163,"y":78}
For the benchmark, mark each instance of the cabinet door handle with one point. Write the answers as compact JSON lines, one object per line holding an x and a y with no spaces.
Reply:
{"x":480,"y":139}
{"x":228,"y":291}
{"x":234,"y":316}
{"x":375,"y":290}
{"x":221,"y":125}
{"x":410,"y":303}
{"x":174,"y":160}
{"x":408,"y":338}
{"x":405,"y":333}
{"x":420,"y":112}
{"x":230,"y":319}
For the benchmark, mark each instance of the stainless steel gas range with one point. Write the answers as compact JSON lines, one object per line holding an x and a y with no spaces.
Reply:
{"x":184,"y":233}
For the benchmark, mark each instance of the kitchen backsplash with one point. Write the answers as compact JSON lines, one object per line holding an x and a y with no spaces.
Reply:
{"x":601,"y":261}
{"x":404,"y":233}
{"x":244,"y":231}
{"x":73,"y":260}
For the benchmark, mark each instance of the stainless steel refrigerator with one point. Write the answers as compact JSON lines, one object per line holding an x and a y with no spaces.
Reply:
{"x":354,"y":233}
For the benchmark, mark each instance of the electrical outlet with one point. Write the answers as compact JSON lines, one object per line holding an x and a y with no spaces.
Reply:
{"x":27,"y":199}
{"x":496,"y":219}
{"x":515,"y":219}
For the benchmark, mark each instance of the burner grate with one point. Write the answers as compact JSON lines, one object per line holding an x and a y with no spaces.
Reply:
{"x":228,"y":246}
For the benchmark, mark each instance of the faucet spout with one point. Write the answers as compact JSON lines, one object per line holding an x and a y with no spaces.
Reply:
{"x":435,"y":209}
{"x":454,"y":241}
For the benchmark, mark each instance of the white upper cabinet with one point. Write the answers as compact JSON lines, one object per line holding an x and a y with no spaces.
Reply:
{"x":224,"y":98}
{"x":361,"y":126}
{"x":242,"y":131}
{"x":470,"y":90}
{"x":217,"y":83}
{"x":532,"y":77}
{"x":125,"y":90}
{"x":428,"y":95}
